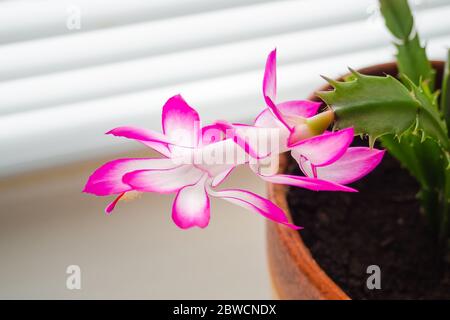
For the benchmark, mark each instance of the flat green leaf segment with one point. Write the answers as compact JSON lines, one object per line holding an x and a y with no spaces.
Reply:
{"x":413,"y":62}
{"x":376,"y":106}
{"x":445,"y":95}
{"x":411,"y":127}
{"x":398,"y":17}
{"x":411,"y":56}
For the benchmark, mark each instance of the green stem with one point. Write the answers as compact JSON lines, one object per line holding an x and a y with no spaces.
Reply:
{"x":411,"y":56}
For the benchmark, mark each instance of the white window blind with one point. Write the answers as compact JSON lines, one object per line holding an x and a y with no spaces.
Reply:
{"x":61,"y":89}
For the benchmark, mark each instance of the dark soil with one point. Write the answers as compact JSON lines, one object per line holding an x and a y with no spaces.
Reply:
{"x":381,"y":225}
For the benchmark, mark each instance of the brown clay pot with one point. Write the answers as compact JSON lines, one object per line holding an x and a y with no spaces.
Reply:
{"x":294,"y":272}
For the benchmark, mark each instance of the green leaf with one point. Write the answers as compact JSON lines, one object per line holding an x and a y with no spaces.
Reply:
{"x":372,"y":105}
{"x":411,"y":56}
{"x":429,"y":154}
{"x":398,"y":17}
{"x":404,"y":152}
{"x":445,"y":95}
{"x":429,"y":119}
{"x":413,"y":62}
{"x":377,"y":106}
{"x":408,"y":120}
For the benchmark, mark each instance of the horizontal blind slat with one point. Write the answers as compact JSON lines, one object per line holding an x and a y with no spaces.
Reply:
{"x":159,"y":71}
{"x":84,"y":49}
{"x":30,"y":19}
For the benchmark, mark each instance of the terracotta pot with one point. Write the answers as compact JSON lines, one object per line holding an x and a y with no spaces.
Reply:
{"x":294,"y":272}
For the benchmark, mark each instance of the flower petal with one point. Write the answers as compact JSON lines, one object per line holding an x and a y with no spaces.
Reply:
{"x":107,"y":179}
{"x":307,"y":183}
{"x":277,"y":113}
{"x":323,"y":149}
{"x":152,"y":139}
{"x":221,"y":176}
{"x":270,"y":76}
{"x":265,"y":119}
{"x":247,"y":137}
{"x":213,"y":133}
{"x":191,"y":206}
{"x":293,"y":112}
{"x":290,"y":110}
{"x":253,"y":140}
{"x":163,"y":181}
{"x":270,"y":86}
{"x":353,"y":165}
{"x":180,"y":122}
{"x":217,"y":157}
{"x":254,"y":202}
{"x":299,"y":108}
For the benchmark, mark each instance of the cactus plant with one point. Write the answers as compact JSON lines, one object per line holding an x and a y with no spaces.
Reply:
{"x":405,"y":115}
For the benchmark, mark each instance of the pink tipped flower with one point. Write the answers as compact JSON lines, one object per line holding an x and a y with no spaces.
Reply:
{"x":321,"y":155}
{"x":190,"y":168}
{"x":182,"y":143}
{"x":289,"y":116}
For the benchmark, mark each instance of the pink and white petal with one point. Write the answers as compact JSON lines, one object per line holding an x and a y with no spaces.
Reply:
{"x":277,"y":113}
{"x":217,"y":157}
{"x":353,"y":165}
{"x":163,"y":181}
{"x":113,"y":204}
{"x":270,"y":76}
{"x":255,"y":203}
{"x":253,"y":140}
{"x":180,"y":122}
{"x":221,"y":176}
{"x":107,"y":179}
{"x":266,"y":119}
{"x":304,"y":165}
{"x":213,"y":133}
{"x":299,"y":108}
{"x":152,"y":139}
{"x":245,"y":136}
{"x":324,"y":149}
{"x":290,"y":110}
{"x":191,"y":206}
{"x":309,"y":183}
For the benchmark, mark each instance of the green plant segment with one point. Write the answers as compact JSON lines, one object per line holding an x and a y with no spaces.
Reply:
{"x":445,"y":98}
{"x":411,"y":56}
{"x":408,"y":115}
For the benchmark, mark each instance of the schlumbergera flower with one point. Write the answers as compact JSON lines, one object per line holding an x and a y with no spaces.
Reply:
{"x":183,"y":170}
{"x":191,"y":168}
{"x":323,"y":155}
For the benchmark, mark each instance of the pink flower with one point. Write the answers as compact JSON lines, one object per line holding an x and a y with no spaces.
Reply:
{"x":320,"y":154}
{"x":182,"y":142}
{"x":191,"y":166}
{"x":240,"y":134}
